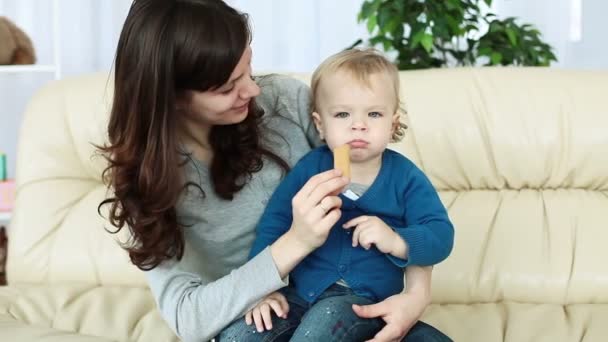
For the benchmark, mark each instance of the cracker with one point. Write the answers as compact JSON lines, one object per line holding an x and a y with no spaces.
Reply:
{"x":342,"y":159}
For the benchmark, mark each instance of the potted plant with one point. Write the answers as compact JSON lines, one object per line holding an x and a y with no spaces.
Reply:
{"x":436,"y":33}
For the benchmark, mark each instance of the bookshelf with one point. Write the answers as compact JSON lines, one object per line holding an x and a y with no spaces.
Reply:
{"x":27,"y":68}
{"x":19,"y":82}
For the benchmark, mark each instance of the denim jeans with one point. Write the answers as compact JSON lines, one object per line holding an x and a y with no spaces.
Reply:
{"x":329,"y":318}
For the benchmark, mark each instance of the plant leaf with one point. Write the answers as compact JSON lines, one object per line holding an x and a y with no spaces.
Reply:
{"x":429,"y":33}
{"x":386,"y":45}
{"x":427,"y":42}
{"x":496,"y":57}
{"x":392,"y":25}
{"x":371,"y":23}
{"x":512,"y":36}
{"x":417,"y":38}
{"x":485,"y":51}
{"x":366,"y":10}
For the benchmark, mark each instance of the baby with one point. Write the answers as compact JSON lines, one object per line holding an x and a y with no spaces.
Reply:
{"x":391,"y":215}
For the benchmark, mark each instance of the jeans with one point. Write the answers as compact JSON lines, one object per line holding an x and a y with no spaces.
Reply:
{"x":329,"y":318}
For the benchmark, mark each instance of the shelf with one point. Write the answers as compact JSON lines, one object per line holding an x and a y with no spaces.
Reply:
{"x":5,"y":216}
{"x":27,"y":68}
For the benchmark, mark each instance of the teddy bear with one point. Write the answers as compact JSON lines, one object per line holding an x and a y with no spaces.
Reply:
{"x":15,"y":46}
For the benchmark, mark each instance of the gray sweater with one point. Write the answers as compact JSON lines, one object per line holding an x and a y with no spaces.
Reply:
{"x":214,"y":283}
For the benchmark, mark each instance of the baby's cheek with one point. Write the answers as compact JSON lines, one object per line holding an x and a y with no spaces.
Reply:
{"x":333,"y":141}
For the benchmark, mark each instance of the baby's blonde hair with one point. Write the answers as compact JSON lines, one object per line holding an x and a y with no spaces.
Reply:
{"x":360,"y":63}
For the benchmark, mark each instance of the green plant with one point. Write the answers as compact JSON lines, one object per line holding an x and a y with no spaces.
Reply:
{"x":435,"y":33}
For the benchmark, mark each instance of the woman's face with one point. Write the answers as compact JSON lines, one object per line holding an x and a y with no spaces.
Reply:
{"x":229,"y":103}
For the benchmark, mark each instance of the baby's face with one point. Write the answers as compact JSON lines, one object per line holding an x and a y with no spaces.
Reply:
{"x":352,"y":112}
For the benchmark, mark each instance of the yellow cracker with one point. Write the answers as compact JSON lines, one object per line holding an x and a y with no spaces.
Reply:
{"x":342,"y":159}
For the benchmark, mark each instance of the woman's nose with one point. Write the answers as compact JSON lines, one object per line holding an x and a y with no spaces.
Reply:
{"x":251,"y":89}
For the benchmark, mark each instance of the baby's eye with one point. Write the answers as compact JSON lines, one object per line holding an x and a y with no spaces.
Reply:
{"x":341,"y":115}
{"x":374,"y":114}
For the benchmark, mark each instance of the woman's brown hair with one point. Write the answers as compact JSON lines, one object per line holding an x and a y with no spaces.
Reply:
{"x":167,"y":47}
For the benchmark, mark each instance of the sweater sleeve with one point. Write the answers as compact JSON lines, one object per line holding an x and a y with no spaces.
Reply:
{"x":198,"y":311}
{"x":291,"y":99}
{"x":429,"y":233}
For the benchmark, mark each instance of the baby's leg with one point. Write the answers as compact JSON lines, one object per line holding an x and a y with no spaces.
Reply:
{"x":282,"y":329}
{"x":333,"y":319}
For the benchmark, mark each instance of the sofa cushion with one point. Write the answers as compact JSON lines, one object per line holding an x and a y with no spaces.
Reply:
{"x":516,"y":322}
{"x":115,"y":313}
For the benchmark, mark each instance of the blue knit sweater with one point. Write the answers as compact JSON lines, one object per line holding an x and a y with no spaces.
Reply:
{"x":401,"y":195}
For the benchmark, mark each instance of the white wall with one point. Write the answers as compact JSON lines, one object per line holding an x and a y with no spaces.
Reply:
{"x":292,"y":35}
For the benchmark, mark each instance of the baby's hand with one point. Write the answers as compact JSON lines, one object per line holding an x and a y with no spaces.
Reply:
{"x":372,"y":230}
{"x":261,"y":315}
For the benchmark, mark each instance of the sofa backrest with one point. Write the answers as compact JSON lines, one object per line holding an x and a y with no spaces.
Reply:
{"x":56,"y":234}
{"x":518,"y":155}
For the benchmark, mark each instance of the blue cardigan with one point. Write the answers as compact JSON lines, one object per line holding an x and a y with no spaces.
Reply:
{"x":401,"y":195}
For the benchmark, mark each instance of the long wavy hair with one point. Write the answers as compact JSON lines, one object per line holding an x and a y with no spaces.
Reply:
{"x":167,"y":47}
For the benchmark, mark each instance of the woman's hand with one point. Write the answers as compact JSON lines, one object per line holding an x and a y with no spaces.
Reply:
{"x":261,"y":314}
{"x":400,"y":312}
{"x":316,"y":208}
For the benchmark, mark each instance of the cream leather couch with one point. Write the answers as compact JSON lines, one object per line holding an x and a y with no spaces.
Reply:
{"x":520,"y":157}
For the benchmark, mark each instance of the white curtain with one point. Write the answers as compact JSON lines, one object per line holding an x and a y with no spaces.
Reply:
{"x":292,"y":34}
{"x":577,"y":29}
{"x":295,"y":35}
{"x":289,"y":35}
{"x":87,"y":33}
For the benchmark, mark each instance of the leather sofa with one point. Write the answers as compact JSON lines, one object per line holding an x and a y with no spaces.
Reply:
{"x":518,"y":155}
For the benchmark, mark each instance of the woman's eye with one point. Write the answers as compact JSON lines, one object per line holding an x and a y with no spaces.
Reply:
{"x":226,"y":92}
{"x":374,"y":114}
{"x":341,"y":115}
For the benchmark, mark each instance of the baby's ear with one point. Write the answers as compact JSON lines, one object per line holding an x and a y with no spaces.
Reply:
{"x":316,"y":118}
{"x":396,"y":118}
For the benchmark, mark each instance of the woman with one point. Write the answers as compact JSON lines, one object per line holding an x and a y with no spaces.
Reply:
{"x":196,"y":146}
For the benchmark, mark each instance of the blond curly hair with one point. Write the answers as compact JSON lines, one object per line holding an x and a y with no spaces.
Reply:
{"x":361,"y":63}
